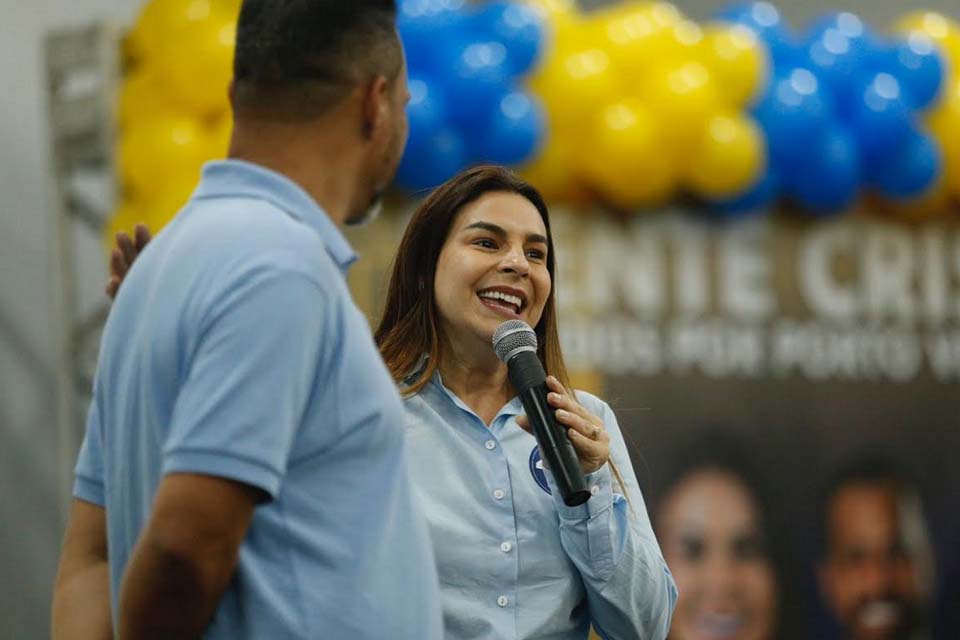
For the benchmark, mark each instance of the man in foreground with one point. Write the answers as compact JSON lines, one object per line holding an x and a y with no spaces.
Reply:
{"x":244,"y":473}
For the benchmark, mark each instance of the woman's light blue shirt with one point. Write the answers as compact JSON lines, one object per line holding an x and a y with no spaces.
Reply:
{"x":513,"y":560}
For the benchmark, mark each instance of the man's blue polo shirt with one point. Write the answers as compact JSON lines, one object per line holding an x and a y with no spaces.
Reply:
{"x":235,"y":350}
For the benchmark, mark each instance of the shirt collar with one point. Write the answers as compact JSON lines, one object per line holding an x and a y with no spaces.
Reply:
{"x":226,"y":178}
{"x":510,"y":410}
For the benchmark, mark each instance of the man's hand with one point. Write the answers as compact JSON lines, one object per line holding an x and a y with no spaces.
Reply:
{"x":124,"y":254}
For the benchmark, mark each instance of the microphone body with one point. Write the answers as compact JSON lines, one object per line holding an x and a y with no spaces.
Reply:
{"x":530,"y":382}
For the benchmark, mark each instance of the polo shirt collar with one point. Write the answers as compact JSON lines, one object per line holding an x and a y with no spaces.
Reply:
{"x":231,"y":178}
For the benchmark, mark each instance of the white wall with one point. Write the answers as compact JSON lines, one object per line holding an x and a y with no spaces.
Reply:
{"x":29,"y":525}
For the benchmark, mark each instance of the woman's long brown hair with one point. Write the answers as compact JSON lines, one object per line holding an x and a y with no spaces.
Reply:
{"x":410,"y":326}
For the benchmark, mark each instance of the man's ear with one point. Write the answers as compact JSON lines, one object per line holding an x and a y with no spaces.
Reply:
{"x":376,"y":105}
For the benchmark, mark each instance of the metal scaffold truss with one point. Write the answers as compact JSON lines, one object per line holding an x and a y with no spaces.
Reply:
{"x":82,"y":74}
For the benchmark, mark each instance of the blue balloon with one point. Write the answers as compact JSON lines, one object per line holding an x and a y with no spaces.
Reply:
{"x":793,"y":111}
{"x":432,"y":13}
{"x":847,"y":24}
{"x":476,"y":79}
{"x":908,"y":170}
{"x":425,"y":28}
{"x":765,"y":20}
{"x":917,"y":65}
{"x":792,"y":55}
{"x":517,"y":26}
{"x":431,"y":162}
{"x":513,"y":133}
{"x":426,"y":111}
{"x":882,"y":118}
{"x":841,"y":49}
{"x":757,"y":199}
{"x":827,"y":178}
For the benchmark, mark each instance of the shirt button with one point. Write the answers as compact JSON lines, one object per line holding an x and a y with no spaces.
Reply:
{"x":499,"y":494}
{"x":503,"y":601}
{"x":505,"y":547}
{"x":490,"y":445}
{"x":595,"y":490}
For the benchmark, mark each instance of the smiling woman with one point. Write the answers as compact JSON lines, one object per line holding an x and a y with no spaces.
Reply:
{"x":514,"y":561}
{"x":712,"y":520}
{"x":492,"y":268}
{"x":481,"y":221}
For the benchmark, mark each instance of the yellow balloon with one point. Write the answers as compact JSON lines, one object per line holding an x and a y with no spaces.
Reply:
{"x":622,"y":157}
{"x":636,"y":40}
{"x":552,"y":172}
{"x":682,"y":39}
{"x":189,"y":44}
{"x":155,"y":149}
{"x":231,"y":7}
{"x":621,"y":38}
{"x":139,"y":94}
{"x":665,"y":13}
{"x":197,"y":74}
{"x":950,"y":176}
{"x":154,"y":212}
{"x":160,"y":21}
{"x":951,"y":168}
{"x":661,"y":14}
{"x":729,"y":159}
{"x":682,"y":96}
{"x":162,"y":208}
{"x":943,"y":30}
{"x":738,"y":62}
{"x":574,"y":85}
{"x":944,"y":123}
{"x":132,"y":49}
{"x":618,"y":24}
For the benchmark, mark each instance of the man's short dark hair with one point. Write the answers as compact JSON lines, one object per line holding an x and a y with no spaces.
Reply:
{"x":870,"y":468}
{"x":300,"y":57}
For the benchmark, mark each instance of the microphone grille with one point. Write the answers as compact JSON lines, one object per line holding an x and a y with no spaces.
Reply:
{"x":513,"y":335}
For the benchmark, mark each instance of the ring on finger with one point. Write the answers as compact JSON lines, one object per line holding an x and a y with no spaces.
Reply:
{"x":595,"y":434}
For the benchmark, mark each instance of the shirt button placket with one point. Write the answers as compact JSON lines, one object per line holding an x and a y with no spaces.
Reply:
{"x":500,"y":478}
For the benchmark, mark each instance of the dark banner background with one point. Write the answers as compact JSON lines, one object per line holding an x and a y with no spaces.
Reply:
{"x":808,"y":342}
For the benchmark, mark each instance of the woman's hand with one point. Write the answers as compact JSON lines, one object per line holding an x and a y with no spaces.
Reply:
{"x":123,"y":255}
{"x":584,"y":429}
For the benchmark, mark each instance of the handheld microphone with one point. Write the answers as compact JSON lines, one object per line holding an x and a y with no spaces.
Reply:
{"x":516,"y":344}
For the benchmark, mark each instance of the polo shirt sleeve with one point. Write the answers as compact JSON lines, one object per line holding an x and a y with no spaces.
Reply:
{"x":88,"y":481}
{"x":250,"y":378}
